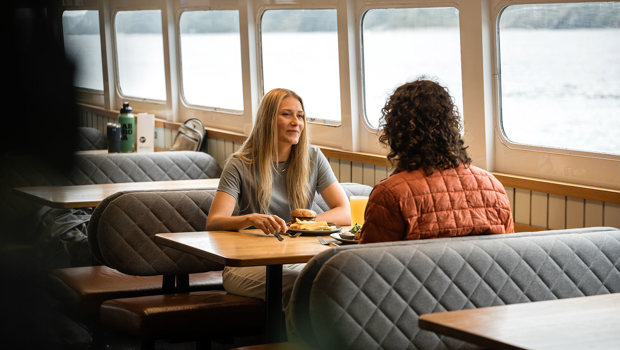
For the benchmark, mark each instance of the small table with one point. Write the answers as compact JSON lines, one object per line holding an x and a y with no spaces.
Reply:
{"x":591,"y":322}
{"x":250,"y":248}
{"x":85,"y":196}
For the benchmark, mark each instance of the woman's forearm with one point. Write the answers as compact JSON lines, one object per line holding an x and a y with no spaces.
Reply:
{"x":264,"y":222}
{"x":336,"y":199}
{"x":227,"y":223}
{"x":337,"y":215}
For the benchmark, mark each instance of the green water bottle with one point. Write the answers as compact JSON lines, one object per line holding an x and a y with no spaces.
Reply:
{"x":128,"y":128}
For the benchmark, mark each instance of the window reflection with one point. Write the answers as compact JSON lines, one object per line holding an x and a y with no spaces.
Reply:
{"x":300,"y":52}
{"x":560,"y":75}
{"x":83,"y":45}
{"x":400,"y":45}
{"x":140,"y":54}
{"x":211,"y":59}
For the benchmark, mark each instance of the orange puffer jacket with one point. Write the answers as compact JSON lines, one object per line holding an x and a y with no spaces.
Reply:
{"x":452,"y":202}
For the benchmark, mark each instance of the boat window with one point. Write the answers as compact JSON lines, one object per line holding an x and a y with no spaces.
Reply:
{"x":300,"y":52}
{"x":83,"y":46}
{"x":403,"y":44}
{"x":559,"y":69}
{"x":140,"y":54}
{"x":211,"y":59}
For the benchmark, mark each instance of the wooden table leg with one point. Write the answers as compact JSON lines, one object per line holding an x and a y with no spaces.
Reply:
{"x":273,"y":301}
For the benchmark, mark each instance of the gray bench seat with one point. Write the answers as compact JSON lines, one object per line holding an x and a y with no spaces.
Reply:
{"x":370,"y":296}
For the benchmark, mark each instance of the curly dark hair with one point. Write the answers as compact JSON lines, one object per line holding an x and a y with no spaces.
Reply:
{"x":420,"y":124}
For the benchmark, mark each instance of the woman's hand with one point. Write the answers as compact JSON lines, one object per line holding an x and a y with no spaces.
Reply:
{"x":269,"y":224}
{"x":220,"y":217}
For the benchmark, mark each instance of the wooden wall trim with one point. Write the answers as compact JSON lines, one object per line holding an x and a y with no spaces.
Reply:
{"x":560,"y":188}
{"x":527,"y":228}
{"x":225,"y":135}
{"x":164,"y":124}
{"x":359,"y":157}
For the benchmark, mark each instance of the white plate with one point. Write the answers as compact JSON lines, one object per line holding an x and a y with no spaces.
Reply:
{"x":336,"y":236}
{"x":316,"y":232}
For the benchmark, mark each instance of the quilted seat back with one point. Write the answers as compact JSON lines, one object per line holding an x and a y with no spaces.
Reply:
{"x":102,"y":168}
{"x":90,"y":138}
{"x":370,"y":296}
{"x":141,"y":167}
{"x":121,"y":231}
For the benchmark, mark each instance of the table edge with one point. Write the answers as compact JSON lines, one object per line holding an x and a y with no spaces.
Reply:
{"x":232,"y":262}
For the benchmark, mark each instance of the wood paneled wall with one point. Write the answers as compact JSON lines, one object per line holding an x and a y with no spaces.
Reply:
{"x":536,"y":204}
{"x":553,"y":211}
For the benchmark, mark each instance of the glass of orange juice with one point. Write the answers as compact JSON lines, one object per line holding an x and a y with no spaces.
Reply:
{"x":358,"y":206}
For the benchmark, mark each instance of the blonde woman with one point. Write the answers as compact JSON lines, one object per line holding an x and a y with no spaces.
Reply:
{"x":275,"y":171}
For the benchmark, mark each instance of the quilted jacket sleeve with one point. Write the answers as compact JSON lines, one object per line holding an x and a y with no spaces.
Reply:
{"x":383,"y":220}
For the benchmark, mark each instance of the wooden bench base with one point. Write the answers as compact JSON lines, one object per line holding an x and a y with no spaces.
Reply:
{"x":193,"y":315}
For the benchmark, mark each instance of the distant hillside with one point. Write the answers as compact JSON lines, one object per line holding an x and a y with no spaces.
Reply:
{"x":597,"y":15}
{"x":603,"y":15}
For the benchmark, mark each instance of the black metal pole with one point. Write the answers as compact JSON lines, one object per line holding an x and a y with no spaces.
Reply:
{"x":273,"y":301}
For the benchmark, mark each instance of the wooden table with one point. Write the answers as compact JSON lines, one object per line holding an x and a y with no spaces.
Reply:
{"x":591,"y":322}
{"x":250,"y":248}
{"x":84,"y":196}
{"x":93,"y":151}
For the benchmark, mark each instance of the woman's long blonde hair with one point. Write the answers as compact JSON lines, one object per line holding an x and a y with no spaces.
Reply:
{"x":261,"y":148}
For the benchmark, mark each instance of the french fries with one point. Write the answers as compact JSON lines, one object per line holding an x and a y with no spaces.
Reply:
{"x":311,"y":225}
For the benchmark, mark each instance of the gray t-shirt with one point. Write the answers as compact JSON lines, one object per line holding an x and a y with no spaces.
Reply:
{"x":237,"y":181}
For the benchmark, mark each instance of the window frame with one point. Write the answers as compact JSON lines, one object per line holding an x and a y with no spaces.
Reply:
{"x":362,"y":64}
{"x":595,"y":169}
{"x":86,"y":95}
{"x":161,"y":108}
{"x":117,"y":87}
{"x":329,"y":134}
{"x":182,"y":99}
{"x":309,"y":120}
{"x":65,"y":47}
{"x":367,"y":136}
{"x":231,"y":120}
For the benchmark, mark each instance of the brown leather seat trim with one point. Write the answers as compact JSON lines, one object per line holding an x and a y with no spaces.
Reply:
{"x":83,"y":289}
{"x":203,"y":312}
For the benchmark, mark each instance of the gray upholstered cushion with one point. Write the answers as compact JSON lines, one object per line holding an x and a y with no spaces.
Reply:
{"x":90,"y":138}
{"x":139,"y":167}
{"x":370,"y":296}
{"x":122,"y":227}
{"x":115,"y":167}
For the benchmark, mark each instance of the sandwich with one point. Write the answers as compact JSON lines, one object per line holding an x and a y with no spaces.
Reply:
{"x":305,"y":219}
{"x":303,"y":215}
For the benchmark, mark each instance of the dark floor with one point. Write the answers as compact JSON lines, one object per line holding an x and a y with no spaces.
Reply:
{"x":29,"y":319}
{"x":62,"y":332}
{"x":47,"y":329}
